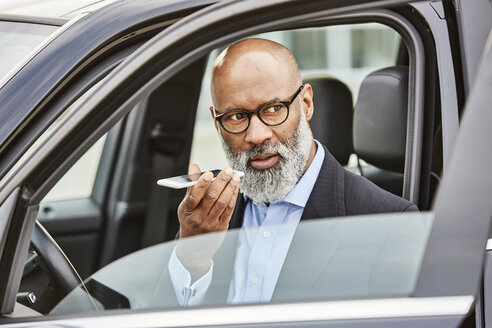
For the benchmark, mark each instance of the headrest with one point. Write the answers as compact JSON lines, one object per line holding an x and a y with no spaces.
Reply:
{"x":333,"y":113}
{"x":380,"y":118}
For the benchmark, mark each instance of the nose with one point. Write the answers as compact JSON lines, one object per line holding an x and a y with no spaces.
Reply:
{"x":257,"y":132}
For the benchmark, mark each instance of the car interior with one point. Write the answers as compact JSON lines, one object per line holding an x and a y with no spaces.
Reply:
{"x":363,"y":122}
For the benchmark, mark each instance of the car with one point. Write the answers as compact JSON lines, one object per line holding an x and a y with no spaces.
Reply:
{"x":111,"y":100}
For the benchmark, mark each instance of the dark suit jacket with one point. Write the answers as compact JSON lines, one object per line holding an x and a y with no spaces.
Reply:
{"x":337,"y":192}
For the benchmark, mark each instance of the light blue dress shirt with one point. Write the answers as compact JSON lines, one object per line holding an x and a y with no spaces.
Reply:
{"x":262,"y":247}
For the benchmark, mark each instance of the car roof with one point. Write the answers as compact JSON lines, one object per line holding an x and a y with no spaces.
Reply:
{"x":60,"y":9}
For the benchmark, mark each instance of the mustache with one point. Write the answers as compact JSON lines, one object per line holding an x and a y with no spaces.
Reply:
{"x":255,"y":150}
{"x":263,"y":148}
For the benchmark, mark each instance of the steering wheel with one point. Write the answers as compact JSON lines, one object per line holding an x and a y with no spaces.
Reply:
{"x":54,"y":259}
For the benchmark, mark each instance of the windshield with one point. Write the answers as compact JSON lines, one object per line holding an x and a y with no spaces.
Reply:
{"x":344,"y":258}
{"x":17,"y":40}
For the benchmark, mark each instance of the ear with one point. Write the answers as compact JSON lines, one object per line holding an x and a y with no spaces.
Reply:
{"x":213,"y":118}
{"x":307,"y":99}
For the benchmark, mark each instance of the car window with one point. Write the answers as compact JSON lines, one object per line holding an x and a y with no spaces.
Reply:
{"x":84,"y":222}
{"x":355,"y":258}
{"x":79,"y":180}
{"x":17,"y":40}
{"x":347,"y":52}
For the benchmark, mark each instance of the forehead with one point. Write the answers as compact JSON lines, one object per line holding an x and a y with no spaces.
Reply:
{"x":251,"y":80}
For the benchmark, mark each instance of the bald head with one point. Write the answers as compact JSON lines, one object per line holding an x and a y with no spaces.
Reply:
{"x":253,"y":63}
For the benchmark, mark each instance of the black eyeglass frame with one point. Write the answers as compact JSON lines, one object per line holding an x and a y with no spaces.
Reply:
{"x":286,"y":103}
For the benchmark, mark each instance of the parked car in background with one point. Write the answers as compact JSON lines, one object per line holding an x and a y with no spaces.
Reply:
{"x":101,"y":100}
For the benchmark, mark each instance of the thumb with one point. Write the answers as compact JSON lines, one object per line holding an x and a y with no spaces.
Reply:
{"x":193,"y":169}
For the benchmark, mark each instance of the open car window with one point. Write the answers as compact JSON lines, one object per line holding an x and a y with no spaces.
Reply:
{"x":375,"y":256}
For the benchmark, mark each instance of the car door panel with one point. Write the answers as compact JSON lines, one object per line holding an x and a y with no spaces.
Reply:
{"x":76,"y":226}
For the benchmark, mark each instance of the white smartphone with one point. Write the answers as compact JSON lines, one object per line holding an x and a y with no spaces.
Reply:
{"x":184,"y":181}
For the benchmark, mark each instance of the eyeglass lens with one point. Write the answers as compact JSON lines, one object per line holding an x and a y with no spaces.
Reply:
{"x":271,"y":114}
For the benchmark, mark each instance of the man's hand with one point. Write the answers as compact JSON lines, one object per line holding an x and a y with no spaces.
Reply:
{"x":207,"y":207}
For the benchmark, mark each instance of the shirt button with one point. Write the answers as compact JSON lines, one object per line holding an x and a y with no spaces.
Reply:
{"x":266,"y":234}
{"x":254,"y":280}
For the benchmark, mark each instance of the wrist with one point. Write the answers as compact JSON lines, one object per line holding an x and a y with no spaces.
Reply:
{"x":196,"y":265}
{"x":191,"y":258}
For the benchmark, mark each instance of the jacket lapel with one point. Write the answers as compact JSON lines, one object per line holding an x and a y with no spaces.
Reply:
{"x":327,"y":197}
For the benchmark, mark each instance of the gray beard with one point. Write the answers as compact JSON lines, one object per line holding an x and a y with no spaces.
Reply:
{"x":273,"y":184}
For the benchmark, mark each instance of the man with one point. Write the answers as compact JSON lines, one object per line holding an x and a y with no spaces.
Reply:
{"x":261,"y":112}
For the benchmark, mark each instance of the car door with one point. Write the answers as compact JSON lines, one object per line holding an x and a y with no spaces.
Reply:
{"x":154,"y":50}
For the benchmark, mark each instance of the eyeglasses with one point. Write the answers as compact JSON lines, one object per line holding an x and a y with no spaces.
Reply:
{"x":273,"y":113}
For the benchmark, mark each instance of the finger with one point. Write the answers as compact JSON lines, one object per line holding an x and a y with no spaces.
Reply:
{"x":216,"y":188}
{"x":196,"y":193}
{"x":225,"y":197}
{"x":226,"y":216}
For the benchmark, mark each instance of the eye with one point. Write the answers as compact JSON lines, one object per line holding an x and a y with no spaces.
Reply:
{"x":273,"y":109}
{"x":235,"y":116}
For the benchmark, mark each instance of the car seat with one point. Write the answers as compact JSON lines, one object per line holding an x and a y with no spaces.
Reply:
{"x":332,"y":119}
{"x":380,"y":127}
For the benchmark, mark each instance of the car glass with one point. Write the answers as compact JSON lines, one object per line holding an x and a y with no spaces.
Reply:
{"x":343,"y":258}
{"x":78,"y":182}
{"x":17,"y":40}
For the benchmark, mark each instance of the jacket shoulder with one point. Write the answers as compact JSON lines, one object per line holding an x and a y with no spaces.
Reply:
{"x":362,"y":196}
